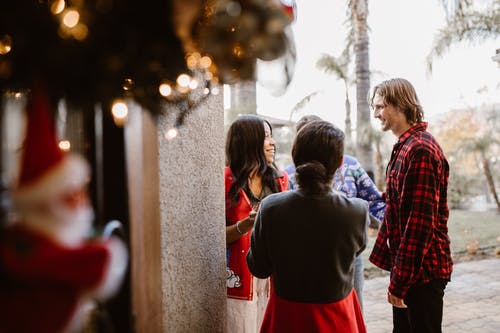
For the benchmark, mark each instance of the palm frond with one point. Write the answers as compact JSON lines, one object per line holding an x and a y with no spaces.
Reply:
{"x":378,"y":74}
{"x":476,"y":27}
{"x":347,"y":53}
{"x":331,"y":64}
{"x":303,"y":102}
{"x":454,"y":8}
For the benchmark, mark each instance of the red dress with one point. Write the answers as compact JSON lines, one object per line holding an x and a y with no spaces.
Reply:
{"x":284,"y":316}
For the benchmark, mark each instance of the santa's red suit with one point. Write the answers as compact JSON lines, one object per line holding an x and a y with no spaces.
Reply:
{"x":44,"y":283}
{"x":49,"y":270}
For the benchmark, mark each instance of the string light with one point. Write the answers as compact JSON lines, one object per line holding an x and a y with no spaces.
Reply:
{"x":64,"y":145}
{"x":71,"y":18}
{"x":193,"y":84}
{"x":119,"y":110}
{"x":238,"y":51}
{"x":171,"y":133}
{"x":183,"y":80}
{"x":208,"y":76}
{"x":192,"y":60}
{"x":128,"y":83}
{"x":80,"y":32}
{"x":5,"y":44}
{"x":165,"y":89}
{"x":205,"y":62}
{"x":57,"y":7}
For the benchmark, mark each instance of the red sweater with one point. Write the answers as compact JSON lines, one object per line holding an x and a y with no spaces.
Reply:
{"x":238,"y":250}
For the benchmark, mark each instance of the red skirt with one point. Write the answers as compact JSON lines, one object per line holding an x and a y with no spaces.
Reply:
{"x":285,"y":316}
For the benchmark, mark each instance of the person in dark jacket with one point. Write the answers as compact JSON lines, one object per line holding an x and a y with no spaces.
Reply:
{"x":307,"y":240}
{"x":354,"y":182}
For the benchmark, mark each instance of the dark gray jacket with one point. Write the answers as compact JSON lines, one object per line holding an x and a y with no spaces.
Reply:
{"x":308,"y":243}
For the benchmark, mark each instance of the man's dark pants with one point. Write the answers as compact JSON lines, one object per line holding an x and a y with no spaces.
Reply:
{"x":425,"y":309}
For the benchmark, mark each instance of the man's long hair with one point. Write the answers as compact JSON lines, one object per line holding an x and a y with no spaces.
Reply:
{"x":401,"y":93}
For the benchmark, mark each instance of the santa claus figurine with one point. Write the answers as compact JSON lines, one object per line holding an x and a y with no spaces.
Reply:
{"x":50,"y":270}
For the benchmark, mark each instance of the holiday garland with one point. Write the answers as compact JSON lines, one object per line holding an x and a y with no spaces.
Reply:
{"x":92,"y":52}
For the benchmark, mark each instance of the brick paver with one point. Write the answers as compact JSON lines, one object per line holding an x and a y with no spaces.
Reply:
{"x":471,"y":301}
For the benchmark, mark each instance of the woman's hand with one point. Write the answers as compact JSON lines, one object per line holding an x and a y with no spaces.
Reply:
{"x":235,"y":231}
{"x":251,"y":217}
{"x":246,"y":225}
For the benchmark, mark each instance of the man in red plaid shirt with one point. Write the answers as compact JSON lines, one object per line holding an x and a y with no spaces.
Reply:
{"x":413,"y":242}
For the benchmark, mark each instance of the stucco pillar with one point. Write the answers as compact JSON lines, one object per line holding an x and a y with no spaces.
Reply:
{"x":177,"y":224}
{"x":191,"y":187}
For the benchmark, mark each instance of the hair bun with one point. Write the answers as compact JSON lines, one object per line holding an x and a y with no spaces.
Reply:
{"x":312,"y":175}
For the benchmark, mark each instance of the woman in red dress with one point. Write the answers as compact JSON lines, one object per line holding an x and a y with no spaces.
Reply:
{"x":307,"y":240}
{"x":249,"y":177}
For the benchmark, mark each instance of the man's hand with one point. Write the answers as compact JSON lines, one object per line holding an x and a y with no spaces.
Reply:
{"x":396,"y":301}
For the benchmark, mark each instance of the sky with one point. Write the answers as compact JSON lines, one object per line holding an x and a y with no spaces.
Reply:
{"x":401,"y":35}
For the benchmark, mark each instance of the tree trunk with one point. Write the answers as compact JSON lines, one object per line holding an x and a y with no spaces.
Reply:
{"x":380,"y":175}
{"x":489,"y":179}
{"x":361,"y":48}
{"x":243,"y":100}
{"x":348,"y":131}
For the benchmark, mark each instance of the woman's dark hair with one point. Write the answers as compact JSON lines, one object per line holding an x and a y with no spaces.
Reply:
{"x":317,"y":152}
{"x":245,"y":153}
{"x":305,"y":120}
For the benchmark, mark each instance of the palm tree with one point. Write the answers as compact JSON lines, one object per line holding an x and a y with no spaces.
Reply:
{"x":369,"y":134}
{"x":340,"y":67}
{"x":359,"y":16}
{"x":464,"y":23}
{"x":243,"y":96}
{"x":379,"y":165}
{"x":481,"y":145}
{"x":300,"y":104}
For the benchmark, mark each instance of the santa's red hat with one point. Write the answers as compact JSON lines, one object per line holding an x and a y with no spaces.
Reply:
{"x":46,"y":171}
{"x":290,"y":8}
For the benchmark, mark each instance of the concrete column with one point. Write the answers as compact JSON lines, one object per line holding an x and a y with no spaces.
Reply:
{"x":193,"y":239}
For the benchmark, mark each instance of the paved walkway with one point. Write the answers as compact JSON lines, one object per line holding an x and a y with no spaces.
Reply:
{"x":471,"y":301}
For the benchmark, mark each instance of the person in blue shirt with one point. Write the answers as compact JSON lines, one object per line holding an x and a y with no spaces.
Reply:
{"x":352,"y":180}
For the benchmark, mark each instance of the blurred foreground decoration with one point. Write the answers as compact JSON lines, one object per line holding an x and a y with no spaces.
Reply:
{"x":238,"y":33}
{"x":52,"y":272}
{"x":158,"y":52}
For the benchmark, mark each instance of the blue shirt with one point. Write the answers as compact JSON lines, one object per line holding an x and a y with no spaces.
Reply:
{"x":354,"y":182}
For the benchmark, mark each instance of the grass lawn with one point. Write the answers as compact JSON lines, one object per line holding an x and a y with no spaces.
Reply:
{"x":465,"y":227}
{"x":468,"y":226}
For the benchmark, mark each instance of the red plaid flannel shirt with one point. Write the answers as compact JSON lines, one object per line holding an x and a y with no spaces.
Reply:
{"x":413,"y":242}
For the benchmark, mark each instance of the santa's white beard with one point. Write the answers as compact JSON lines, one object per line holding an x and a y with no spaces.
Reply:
{"x":61,"y":223}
